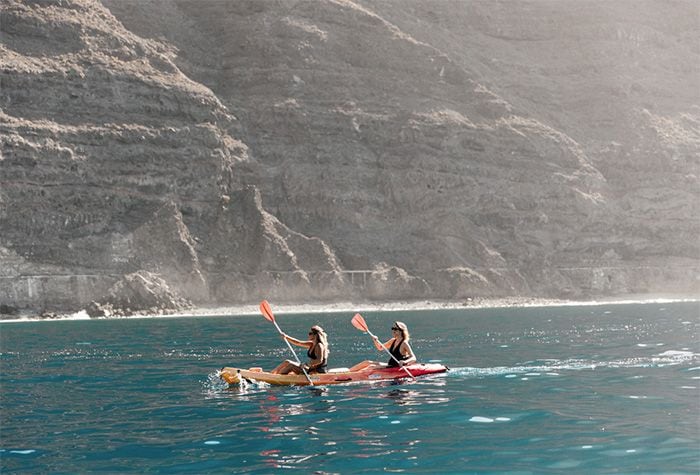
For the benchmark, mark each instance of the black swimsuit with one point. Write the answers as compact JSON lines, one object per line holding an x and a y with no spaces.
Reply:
{"x":395,"y":351}
{"x":312,"y":356}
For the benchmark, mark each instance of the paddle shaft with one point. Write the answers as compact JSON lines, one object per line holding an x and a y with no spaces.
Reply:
{"x":296,"y":358}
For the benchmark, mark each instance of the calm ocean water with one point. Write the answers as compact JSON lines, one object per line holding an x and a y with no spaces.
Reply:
{"x":586,"y":389}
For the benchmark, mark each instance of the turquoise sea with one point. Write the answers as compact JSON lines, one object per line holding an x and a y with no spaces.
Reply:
{"x":578,"y":389}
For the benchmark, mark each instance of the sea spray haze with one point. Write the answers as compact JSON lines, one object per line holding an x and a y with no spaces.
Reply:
{"x":329,"y":149}
{"x":586,"y":389}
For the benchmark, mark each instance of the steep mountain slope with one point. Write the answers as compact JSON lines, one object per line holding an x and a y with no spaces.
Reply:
{"x":375,"y":125}
{"x":331,"y":148}
{"x":620,"y":78}
{"x":112,"y":161}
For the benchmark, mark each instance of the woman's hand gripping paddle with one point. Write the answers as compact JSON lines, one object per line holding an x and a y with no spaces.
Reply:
{"x":359,"y":323}
{"x":267,"y":313}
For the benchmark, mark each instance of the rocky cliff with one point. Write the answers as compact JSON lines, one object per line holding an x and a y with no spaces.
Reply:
{"x":331,"y":149}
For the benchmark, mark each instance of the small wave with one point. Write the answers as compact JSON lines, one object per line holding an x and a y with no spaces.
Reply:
{"x":214,"y":385}
{"x":19,"y":451}
{"x":553,"y":367}
{"x":81,"y":315}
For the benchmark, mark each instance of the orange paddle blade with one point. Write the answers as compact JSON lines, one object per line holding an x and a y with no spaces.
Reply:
{"x":266,"y":311}
{"x":359,"y":323}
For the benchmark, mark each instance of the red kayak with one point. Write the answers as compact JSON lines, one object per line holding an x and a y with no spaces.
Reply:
{"x":366,"y":371}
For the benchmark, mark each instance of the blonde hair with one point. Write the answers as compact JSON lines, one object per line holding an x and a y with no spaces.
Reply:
{"x":322,"y":338}
{"x":404,"y":330}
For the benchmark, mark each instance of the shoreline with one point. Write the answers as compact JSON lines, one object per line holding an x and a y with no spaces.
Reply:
{"x":417,"y":305}
{"x":354,"y":307}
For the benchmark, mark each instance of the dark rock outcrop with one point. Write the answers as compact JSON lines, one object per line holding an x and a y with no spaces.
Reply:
{"x":250,"y":250}
{"x":138,"y":293}
{"x":8,"y":310}
{"x":165,"y":246}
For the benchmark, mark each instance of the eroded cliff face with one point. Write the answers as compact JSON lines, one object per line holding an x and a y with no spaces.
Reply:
{"x":619,"y":78}
{"x":113,"y":161}
{"x":331,"y":149}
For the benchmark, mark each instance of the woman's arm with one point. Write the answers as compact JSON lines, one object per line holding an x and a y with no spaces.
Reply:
{"x":305,"y":344}
{"x":407,"y":351}
{"x":382,"y":346}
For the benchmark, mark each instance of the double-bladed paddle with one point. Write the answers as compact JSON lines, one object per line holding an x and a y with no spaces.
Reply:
{"x":359,"y":323}
{"x":267,"y":313}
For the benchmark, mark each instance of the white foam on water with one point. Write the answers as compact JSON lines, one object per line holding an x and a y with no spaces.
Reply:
{"x":555,"y":367}
{"x":586,"y":446}
{"x":214,"y":386}
{"x":23,"y":452}
{"x":688,"y":387}
{"x":565,"y":464}
{"x":617,"y":452}
{"x":81,"y":315}
{"x":212,"y":442}
{"x":503,"y":419}
{"x":396,"y":422}
{"x":677,"y":354}
{"x":483,"y":420}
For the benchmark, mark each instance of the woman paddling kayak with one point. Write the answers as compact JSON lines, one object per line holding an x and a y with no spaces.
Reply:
{"x":398,"y":346}
{"x":317,"y":351}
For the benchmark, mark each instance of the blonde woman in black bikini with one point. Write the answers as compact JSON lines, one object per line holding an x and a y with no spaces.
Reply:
{"x":317,"y":351}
